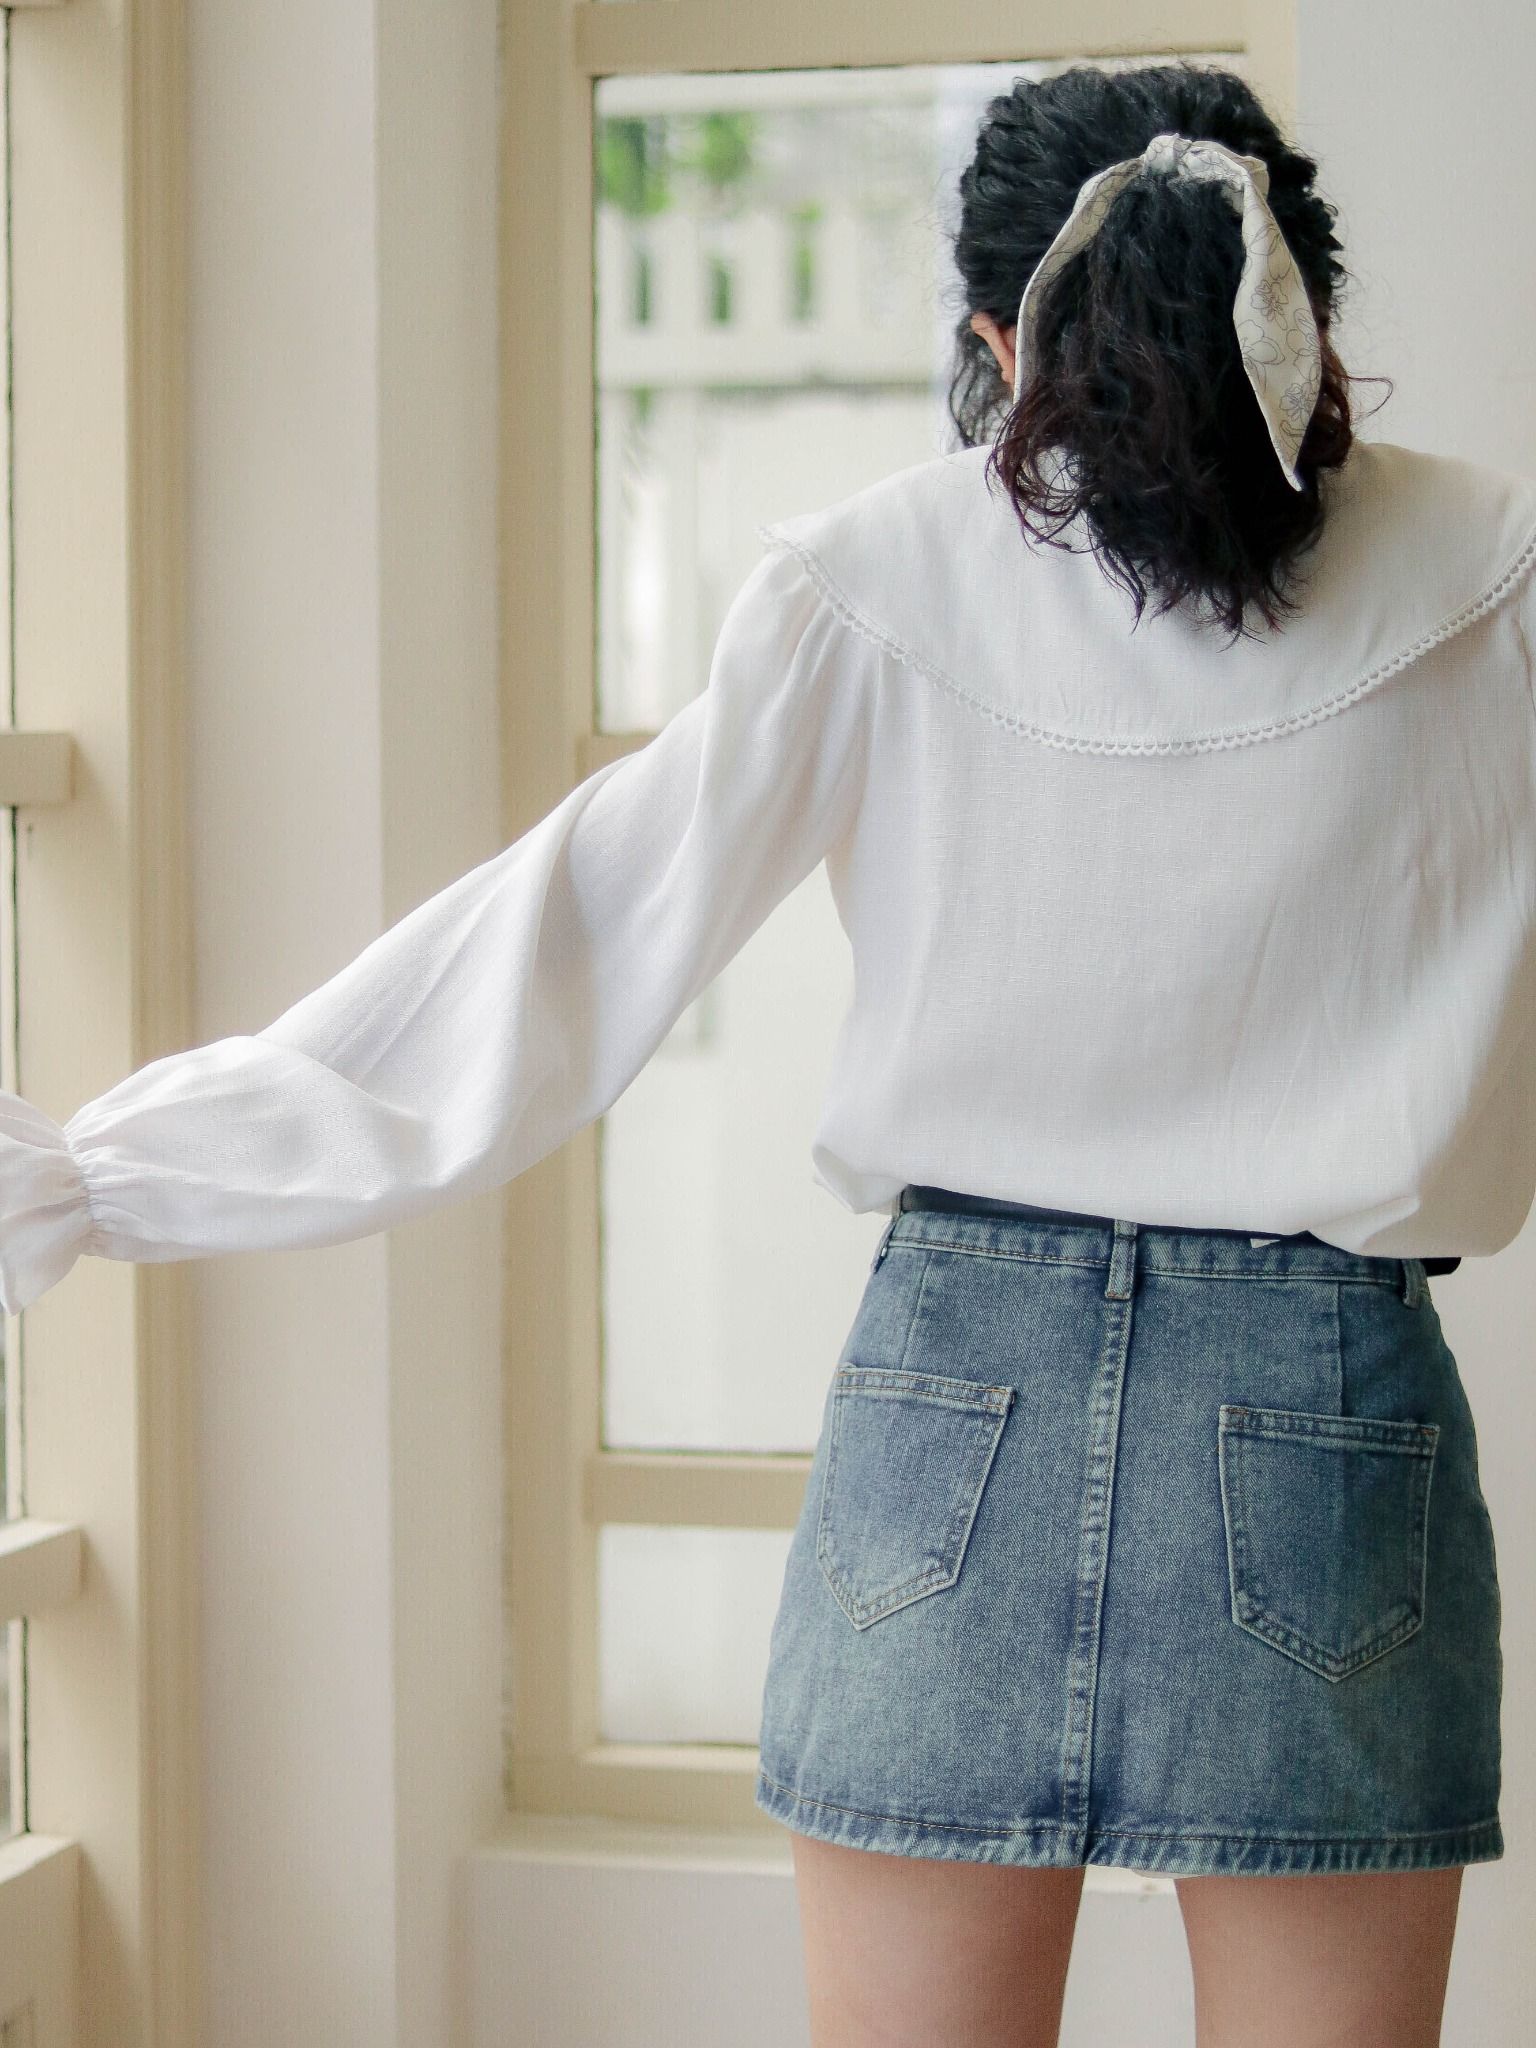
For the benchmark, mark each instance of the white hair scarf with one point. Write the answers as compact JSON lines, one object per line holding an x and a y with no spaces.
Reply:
{"x":1276,"y":329}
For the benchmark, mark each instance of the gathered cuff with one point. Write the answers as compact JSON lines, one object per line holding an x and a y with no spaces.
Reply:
{"x":46,"y":1220}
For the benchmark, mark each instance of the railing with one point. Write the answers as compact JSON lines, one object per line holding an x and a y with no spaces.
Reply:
{"x":763,"y":297}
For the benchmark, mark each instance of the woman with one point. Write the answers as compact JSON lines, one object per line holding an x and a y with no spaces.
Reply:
{"x":1172,"y":756}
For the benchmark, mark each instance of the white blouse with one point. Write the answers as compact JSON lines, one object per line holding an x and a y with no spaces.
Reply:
{"x":1142,"y":923}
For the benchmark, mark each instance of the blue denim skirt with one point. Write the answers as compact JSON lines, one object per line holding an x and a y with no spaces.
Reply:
{"x":1139,"y":1545}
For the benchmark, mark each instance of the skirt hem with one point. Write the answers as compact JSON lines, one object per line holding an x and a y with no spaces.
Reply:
{"x":1176,"y":1852}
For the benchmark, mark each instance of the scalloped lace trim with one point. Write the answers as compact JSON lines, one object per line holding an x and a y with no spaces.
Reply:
{"x":1231,"y":736}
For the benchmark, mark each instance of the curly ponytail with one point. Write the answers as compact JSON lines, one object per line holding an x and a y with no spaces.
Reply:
{"x":1137,"y":414}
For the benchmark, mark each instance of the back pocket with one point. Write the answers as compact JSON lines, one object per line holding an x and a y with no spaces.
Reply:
{"x":908,"y":1455}
{"x":1327,"y":1531}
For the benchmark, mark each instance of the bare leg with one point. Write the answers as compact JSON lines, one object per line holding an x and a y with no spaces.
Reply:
{"x":908,"y":1951}
{"x":1328,"y":1961}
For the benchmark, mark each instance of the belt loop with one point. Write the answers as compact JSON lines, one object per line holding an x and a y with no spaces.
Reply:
{"x":885,"y":1240}
{"x":1122,"y":1263}
{"x":1413,"y":1282}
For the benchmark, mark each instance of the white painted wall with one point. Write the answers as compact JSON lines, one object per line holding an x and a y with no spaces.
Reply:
{"x":1421,"y":122}
{"x":343,"y":700}
{"x":703,"y":1951}
{"x":344,"y":766}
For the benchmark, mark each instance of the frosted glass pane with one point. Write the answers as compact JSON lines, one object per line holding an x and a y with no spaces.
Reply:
{"x":775,"y":311}
{"x":775,"y":306}
{"x":770,"y":335}
{"x":729,"y":1277}
{"x":684,"y":1620}
{"x":10,"y":1728}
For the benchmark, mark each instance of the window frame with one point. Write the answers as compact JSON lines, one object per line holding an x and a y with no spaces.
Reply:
{"x":562,"y":1487}
{"x":103,"y":986}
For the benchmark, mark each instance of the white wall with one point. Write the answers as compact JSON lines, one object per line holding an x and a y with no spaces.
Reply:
{"x":1421,"y":122}
{"x":342,"y":653}
{"x":1423,"y":130}
{"x":610,"y":1947}
{"x":344,"y":751}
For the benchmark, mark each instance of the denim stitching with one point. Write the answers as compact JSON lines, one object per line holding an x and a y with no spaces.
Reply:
{"x":1426,"y":1481}
{"x":1247,"y":1276}
{"x":917,"y":1309}
{"x":1307,"y":1841}
{"x":989,"y":1406}
{"x":1240,"y":1423}
{"x":1393,"y":1434}
{"x":1340,"y":1401}
{"x":972,"y":1395}
{"x":912,"y":1820}
{"x":1035,"y":1827}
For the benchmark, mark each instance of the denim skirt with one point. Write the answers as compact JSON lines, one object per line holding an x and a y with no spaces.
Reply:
{"x":1139,"y":1545}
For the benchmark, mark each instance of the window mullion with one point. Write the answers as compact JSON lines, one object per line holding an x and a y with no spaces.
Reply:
{"x":695,"y":1489}
{"x":721,"y":35}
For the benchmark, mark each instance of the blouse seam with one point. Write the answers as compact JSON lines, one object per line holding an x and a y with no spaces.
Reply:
{"x":1530,"y":665}
{"x":1230,"y":736}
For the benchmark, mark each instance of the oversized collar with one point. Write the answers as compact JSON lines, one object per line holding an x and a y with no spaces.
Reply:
{"x":931,"y":564}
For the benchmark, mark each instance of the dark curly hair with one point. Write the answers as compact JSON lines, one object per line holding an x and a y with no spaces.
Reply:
{"x":1136,"y":383}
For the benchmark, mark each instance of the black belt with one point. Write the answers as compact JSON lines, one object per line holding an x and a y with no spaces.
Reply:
{"x":916,"y":1196}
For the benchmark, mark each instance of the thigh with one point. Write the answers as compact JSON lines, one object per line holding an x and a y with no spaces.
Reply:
{"x":907,"y":1951}
{"x":1319,"y":1960}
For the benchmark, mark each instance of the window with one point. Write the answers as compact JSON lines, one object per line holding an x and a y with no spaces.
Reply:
{"x":756,"y":210}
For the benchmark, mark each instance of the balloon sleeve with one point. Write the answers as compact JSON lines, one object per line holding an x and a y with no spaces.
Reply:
{"x":496,"y":1019}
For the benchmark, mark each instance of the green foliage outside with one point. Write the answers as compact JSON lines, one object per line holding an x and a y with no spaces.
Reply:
{"x":643,"y":159}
